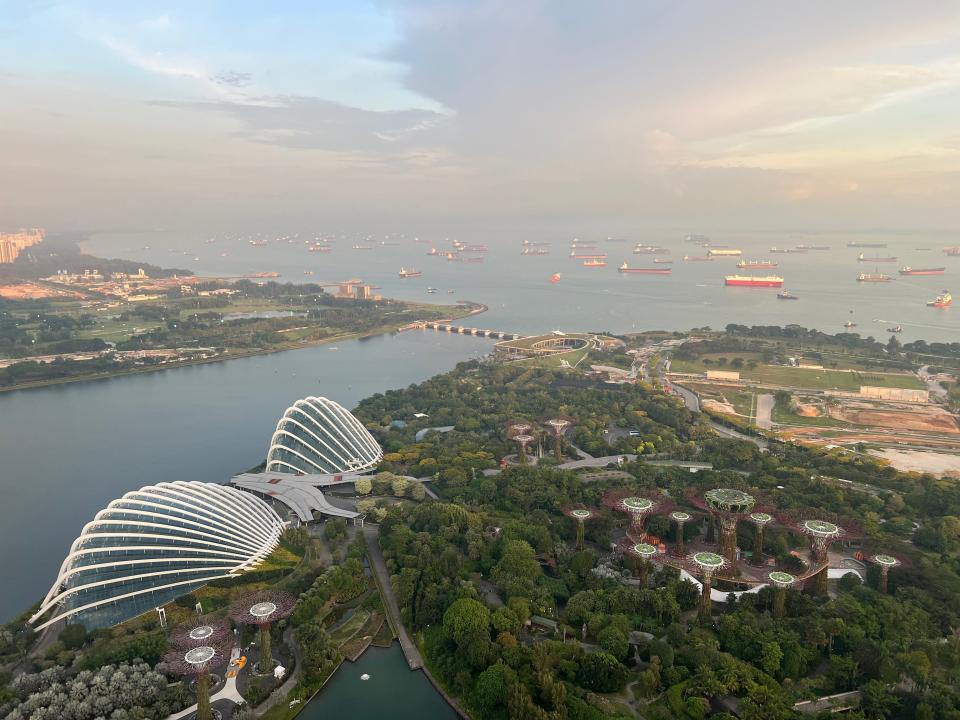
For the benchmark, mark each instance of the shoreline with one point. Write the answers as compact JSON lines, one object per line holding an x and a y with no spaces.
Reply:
{"x":469,"y":310}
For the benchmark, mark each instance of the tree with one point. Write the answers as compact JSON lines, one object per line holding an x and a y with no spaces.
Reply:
{"x":465,"y":618}
{"x":73,"y":636}
{"x":518,"y":569}
{"x":363,"y":485}
{"x":614,"y":641}
{"x":418,"y":492}
{"x":877,"y":700}
{"x":490,"y":689}
{"x":601,"y":672}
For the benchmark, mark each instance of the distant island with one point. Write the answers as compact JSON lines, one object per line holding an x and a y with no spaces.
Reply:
{"x":66,"y":315}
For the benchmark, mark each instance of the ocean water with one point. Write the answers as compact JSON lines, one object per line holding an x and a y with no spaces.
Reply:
{"x":521,"y":297}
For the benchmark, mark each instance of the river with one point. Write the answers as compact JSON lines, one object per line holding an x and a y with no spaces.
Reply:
{"x":68,"y":450}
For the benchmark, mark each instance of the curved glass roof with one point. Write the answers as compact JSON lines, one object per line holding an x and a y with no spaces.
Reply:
{"x":155,"y":544}
{"x":317,"y":436}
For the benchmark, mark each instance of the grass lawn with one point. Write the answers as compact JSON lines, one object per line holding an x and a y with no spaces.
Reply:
{"x":810,"y":379}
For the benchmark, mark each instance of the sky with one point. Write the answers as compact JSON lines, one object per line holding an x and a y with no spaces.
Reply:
{"x":122,"y":114}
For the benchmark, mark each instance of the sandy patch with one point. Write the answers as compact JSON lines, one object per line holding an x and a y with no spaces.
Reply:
{"x":936,"y":421}
{"x":806,"y":410}
{"x":921,"y":461}
{"x":32,"y":291}
{"x":721,"y":407}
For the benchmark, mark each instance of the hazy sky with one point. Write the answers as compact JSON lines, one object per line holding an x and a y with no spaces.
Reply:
{"x":695,"y":114}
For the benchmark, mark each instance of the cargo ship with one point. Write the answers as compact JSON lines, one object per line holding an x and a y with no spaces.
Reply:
{"x":582,"y":256}
{"x":907,"y":270}
{"x":626,"y":269}
{"x":319,"y":248}
{"x":865,"y":245}
{"x":594,"y":263}
{"x":952,"y":251}
{"x":535,"y":244}
{"x":473,"y":259}
{"x":693,"y":238}
{"x":662,"y":261}
{"x":786,"y":251}
{"x":650,"y":250}
{"x":941,"y":301}
{"x":863,"y":258}
{"x":475,"y":248}
{"x":363,"y":247}
{"x":433,"y":251}
{"x":696,"y":258}
{"x":812,"y":247}
{"x":754,"y":280}
{"x":534,"y":251}
{"x":786,"y":295}
{"x":724,"y":252}
{"x":756,"y":264}
{"x":873,"y":277}
{"x":404,"y":273}
{"x":258,"y":275}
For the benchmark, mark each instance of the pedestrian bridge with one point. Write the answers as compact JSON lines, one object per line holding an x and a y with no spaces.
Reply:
{"x":444,"y":326}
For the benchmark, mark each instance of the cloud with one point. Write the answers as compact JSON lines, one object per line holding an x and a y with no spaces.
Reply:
{"x":309,"y":123}
{"x":160,"y":22}
{"x":233,"y":78}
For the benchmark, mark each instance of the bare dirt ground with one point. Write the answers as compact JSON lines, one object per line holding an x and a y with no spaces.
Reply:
{"x":32,"y":291}
{"x":721,"y":407}
{"x":938,"y":421}
{"x":806,"y":410}
{"x":920,"y":461}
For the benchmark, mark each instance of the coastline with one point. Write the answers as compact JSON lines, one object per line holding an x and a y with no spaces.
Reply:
{"x":469,"y":310}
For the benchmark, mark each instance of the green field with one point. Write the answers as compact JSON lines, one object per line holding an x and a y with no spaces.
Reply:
{"x":802,"y":378}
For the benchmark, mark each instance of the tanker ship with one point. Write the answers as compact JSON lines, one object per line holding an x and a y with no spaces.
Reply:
{"x":863,"y":258}
{"x":404,"y":273}
{"x":952,"y":251}
{"x":754,"y":280}
{"x":724,"y":252}
{"x":534,"y":251}
{"x":907,"y":270}
{"x":595,"y":263}
{"x":875,"y":277}
{"x":644,"y":271}
{"x":583,"y":256}
{"x":756,"y":265}
{"x":865,"y":245}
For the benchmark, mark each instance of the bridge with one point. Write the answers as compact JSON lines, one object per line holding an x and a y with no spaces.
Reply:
{"x":446,"y":326}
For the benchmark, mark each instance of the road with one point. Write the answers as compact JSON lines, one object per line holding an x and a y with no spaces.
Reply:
{"x":693,"y":403}
{"x":764,"y":411}
{"x":410,"y":650}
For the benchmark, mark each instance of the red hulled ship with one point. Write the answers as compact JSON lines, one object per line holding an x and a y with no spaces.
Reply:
{"x":762,"y":281}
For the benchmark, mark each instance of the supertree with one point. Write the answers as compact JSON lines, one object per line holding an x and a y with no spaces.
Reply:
{"x":706,"y":564}
{"x":195,"y":651}
{"x":727,"y":505}
{"x":780,"y":581}
{"x":759,"y":520}
{"x":822,"y":534}
{"x":202,"y":632}
{"x":680,"y":518}
{"x":261,"y":609}
{"x":559,"y":427}
{"x":636,"y":506}
{"x":645,"y":552}
{"x":885,"y":563}
{"x":522,"y":442}
{"x":581,"y":514}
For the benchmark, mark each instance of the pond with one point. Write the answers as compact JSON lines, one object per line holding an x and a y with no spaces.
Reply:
{"x":393,"y":691}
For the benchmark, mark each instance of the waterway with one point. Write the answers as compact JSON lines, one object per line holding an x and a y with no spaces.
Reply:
{"x":393,"y":691}
{"x":68,"y":450}
{"x":522,"y":299}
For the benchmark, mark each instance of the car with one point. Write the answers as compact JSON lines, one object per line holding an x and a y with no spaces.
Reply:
{"x":634,"y":433}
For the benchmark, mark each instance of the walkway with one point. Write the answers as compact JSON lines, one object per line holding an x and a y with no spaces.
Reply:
{"x":764,"y":411}
{"x":228,"y":692}
{"x":597,"y":462}
{"x":410,"y":651}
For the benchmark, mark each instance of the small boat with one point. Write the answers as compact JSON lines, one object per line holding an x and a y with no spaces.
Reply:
{"x":365,"y":676}
{"x":308,"y":272}
{"x":555,"y":278}
{"x":941,"y":301}
{"x":907,"y":270}
{"x":849,"y":324}
{"x":895,"y":329}
{"x":786,"y":295}
{"x":450,"y":292}
{"x":431,"y":290}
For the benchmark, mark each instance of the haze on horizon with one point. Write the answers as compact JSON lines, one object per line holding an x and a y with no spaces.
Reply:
{"x":819,"y":115}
